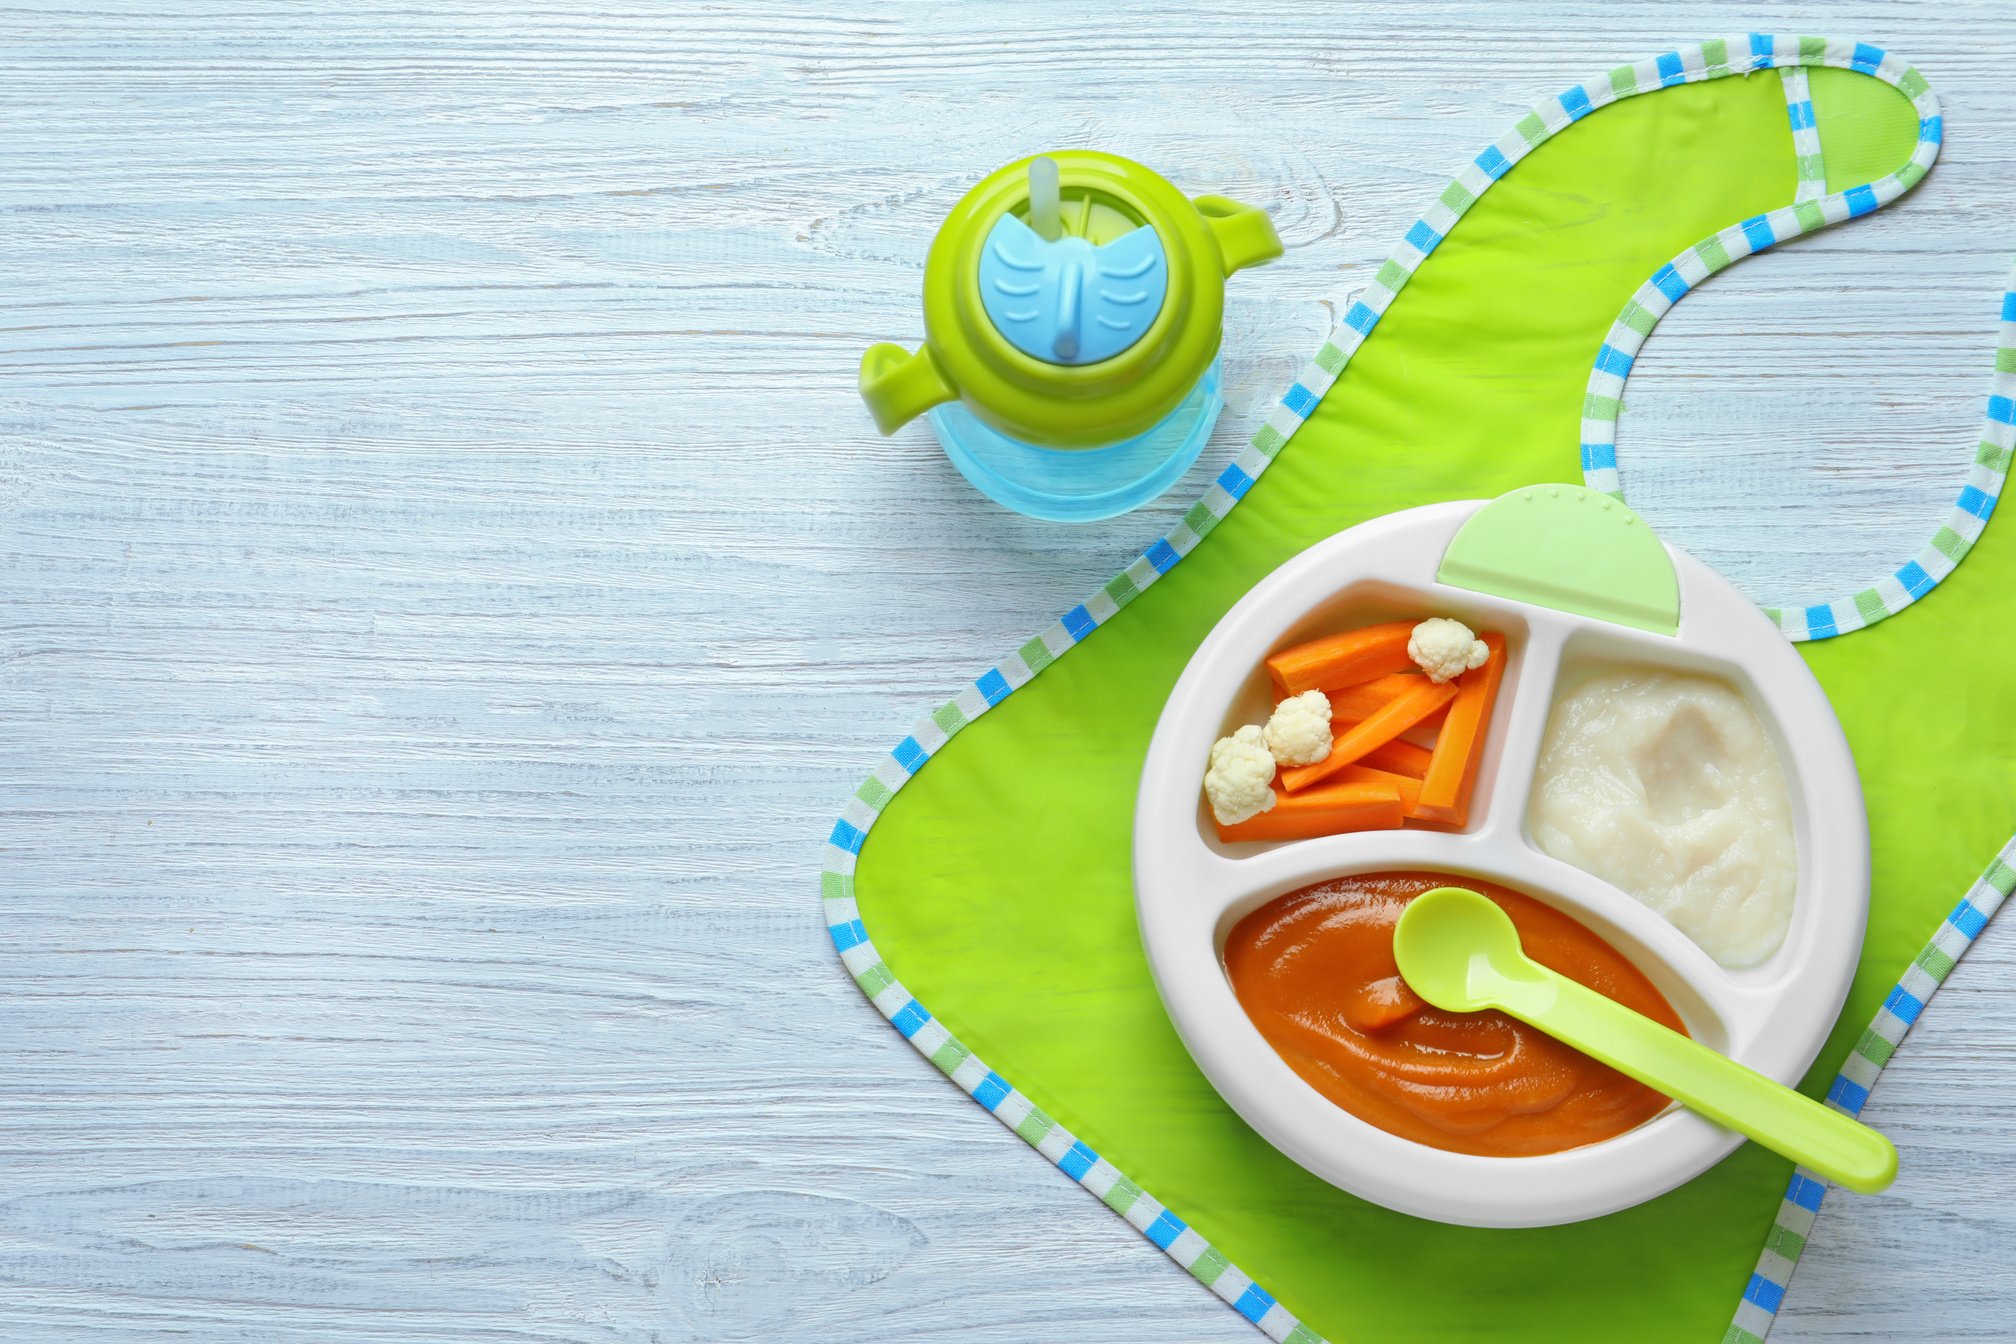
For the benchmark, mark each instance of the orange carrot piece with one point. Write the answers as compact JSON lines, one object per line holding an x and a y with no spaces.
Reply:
{"x":1359,"y":773}
{"x":1342,"y":660}
{"x":1452,"y":770}
{"x":1421,"y":734}
{"x":1327,"y":811}
{"x":1424,"y":733}
{"x":1400,"y":714}
{"x":1399,"y":756}
{"x":1379,"y":1004}
{"x":1362,"y":701}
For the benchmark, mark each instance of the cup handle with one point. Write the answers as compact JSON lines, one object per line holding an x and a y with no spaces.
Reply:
{"x":1244,"y":234}
{"x":899,"y":386}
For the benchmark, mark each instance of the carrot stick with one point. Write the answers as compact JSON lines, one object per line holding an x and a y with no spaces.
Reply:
{"x":1342,"y":660}
{"x":1362,"y":701}
{"x":1400,"y":714}
{"x":1452,"y":770}
{"x":1399,"y":756}
{"x":1372,"y":806}
{"x":1421,"y":734}
{"x":1424,"y":733}
{"x":1409,"y":788}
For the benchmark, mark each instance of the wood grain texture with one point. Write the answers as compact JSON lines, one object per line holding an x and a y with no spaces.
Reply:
{"x":451,"y":584}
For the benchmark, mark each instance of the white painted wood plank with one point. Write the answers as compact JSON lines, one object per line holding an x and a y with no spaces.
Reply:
{"x":451,"y":584}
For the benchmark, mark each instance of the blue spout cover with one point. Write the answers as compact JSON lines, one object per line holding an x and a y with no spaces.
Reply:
{"x":1069,"y":302}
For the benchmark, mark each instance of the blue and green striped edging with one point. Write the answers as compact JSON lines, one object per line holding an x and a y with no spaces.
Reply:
{"x":1809,"y":165}
{"x":1714,"y":59}
{"x":1813,"y":209}
{"x":1849,"y":1092}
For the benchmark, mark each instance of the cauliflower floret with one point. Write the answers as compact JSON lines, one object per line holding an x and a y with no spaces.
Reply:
{"x":1299,"y":732}
{"x":1446,"y":649}
{"x":1238,"y":778}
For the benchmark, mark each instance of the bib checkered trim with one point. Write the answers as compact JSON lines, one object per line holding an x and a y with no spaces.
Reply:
{"x":1812,"y":208}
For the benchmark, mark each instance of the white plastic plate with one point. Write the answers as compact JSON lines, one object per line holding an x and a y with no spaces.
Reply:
{"x":1190,"y":889}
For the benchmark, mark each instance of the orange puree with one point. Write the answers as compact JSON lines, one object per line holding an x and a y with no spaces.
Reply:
{"x":1314,"y":970}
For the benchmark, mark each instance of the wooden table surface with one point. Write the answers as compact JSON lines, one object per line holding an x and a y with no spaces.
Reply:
{"x":451,"y":584}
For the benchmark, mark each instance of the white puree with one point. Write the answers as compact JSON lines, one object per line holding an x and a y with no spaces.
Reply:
{"x":1666,"y":786}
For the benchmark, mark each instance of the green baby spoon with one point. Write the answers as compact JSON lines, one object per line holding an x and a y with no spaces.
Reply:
{"x":1460,"y":952}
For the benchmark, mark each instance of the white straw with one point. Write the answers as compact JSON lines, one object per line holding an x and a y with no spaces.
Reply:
{"x":1046,"y":213}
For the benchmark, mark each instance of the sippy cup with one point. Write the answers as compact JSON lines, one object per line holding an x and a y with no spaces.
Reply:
{"x":1071,"y":316}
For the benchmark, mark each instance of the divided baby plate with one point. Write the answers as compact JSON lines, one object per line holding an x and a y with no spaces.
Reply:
{"x":1575,"y":583}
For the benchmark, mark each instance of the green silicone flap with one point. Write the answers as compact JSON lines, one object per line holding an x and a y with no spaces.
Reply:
{"x":1569,"y":548}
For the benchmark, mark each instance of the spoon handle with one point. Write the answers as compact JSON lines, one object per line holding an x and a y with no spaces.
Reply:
{"x":1829,"y":1142}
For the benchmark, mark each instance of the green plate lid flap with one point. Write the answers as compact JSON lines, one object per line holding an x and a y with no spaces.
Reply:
{"x":1569,"y":548}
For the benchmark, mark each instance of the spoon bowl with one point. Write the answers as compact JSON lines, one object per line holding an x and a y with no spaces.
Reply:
{"x":1455,"y":947}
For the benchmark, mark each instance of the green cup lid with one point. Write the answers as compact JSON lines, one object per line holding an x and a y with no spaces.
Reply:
{"x":1101,"y":382}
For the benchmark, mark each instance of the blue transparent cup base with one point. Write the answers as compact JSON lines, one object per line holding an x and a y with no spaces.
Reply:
{"x":1077,"y":485}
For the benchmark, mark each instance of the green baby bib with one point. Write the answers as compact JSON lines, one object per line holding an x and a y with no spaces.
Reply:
{"x":989,"y":912}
